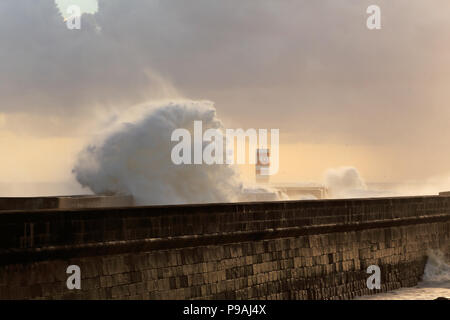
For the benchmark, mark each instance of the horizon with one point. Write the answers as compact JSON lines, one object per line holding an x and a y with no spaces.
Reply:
{"x":341,"y":94}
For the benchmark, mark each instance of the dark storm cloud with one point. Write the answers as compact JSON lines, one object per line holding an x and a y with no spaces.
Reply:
{"x":310,"y":68}
{"x":47,"y":68}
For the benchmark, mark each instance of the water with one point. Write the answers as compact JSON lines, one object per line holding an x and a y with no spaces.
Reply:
{"x":435,"y":283}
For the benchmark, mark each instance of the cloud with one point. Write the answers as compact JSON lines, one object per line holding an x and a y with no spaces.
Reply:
{"x":49,"y":69}
{"x":309,"y":68}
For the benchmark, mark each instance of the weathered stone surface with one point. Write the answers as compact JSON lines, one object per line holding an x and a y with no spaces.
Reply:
{"x":64,"y":202}
{"x":281,"y":250}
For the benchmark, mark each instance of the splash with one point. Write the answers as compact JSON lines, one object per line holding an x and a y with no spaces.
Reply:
{"x":347,"y":182}
{"x":134,"y":158}
{"x":344,"y":182}
{"x":435,"y":282}
{"x":437,"y":269}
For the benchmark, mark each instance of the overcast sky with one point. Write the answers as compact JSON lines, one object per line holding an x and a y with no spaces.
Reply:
{"x":339,"y":92}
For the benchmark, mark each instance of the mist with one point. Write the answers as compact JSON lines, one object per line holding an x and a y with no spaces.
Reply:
{"x":135,"y":159}
{"x":311,"y":69}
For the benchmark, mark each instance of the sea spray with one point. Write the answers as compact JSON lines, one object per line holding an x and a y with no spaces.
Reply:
{"x":135,"y":158}
{"x":435,"y":282}
{"x":437,"y":268}
{"x":344,"y":182}
{"x":347,"y":182}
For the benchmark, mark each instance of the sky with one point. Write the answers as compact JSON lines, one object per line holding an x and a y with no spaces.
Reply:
{"x":341,"y":95}
{"x":86,"y":6}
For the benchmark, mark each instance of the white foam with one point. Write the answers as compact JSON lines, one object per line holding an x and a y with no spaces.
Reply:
{"x":435,"y":283}
{"x":135,"y":158}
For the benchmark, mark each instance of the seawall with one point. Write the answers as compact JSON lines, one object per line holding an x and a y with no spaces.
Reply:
{"x":64,"y":202}
{"x":268,"y":250}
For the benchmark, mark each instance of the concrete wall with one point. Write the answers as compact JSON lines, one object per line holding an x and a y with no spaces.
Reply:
{"x":275,"y":250}
{"x":64,"y":202}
